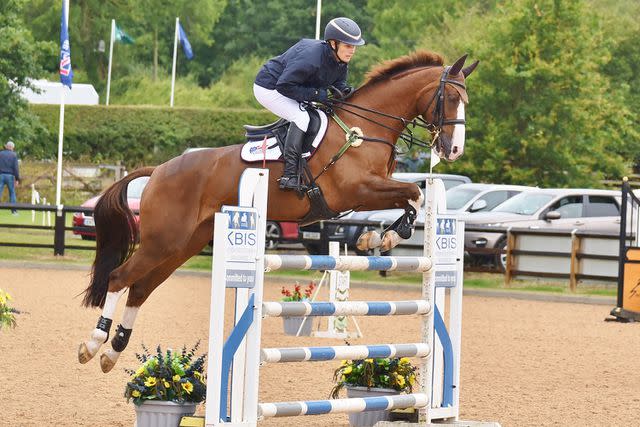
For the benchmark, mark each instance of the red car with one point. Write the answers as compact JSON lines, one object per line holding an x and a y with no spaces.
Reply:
{"x":280,"y":232}
{"x":83,"y":224}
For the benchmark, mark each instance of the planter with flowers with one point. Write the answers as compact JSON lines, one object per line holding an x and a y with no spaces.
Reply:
{"x":166,"y":386}
{"x":7,"y":313}
{"x":373,"y":377}
{"x":293,"y":324}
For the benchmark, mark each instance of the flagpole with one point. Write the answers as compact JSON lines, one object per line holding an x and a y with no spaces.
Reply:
{"x":113,"y":35}
{"x":175,"y":54}
{"x":61,"y":129}
{"x":318,"y":15}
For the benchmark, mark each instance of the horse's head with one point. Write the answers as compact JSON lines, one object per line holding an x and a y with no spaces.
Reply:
{"x":445,"y":111}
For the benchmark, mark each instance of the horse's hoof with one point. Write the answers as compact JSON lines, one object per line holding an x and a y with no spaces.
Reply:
{"x":368,"y":240}
{"x":389,"y":241}
{"x":108,"y":360}
{"x":84,"y":355}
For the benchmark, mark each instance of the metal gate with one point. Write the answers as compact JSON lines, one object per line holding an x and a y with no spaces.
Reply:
{"x":628,"y":304}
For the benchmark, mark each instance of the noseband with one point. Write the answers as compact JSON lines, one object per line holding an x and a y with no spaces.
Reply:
{"x":434,"y":127}
{"x":438,"y":120}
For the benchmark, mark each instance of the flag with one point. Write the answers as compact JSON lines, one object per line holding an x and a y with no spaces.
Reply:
{"x":66,"y":73}
{"x":123,"y":37}
{"x":186,"y":46}
{"x":435,"y":159}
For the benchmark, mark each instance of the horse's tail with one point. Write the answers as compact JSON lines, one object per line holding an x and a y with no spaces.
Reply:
{"x":116,"y":237}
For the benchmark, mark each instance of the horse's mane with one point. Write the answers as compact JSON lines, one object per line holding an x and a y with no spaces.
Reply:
{"x":393,"y":67}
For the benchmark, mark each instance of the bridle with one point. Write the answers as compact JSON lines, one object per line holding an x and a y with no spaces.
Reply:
{"x":434,"y":127}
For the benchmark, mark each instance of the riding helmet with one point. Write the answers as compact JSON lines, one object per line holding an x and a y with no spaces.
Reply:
{"x":344,"y":30}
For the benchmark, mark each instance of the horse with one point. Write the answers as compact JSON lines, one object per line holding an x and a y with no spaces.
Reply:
{"x":182,"y":195}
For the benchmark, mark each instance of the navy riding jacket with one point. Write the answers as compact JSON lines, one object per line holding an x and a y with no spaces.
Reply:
{"x":9,"y":163}
{"x":304,"y":71}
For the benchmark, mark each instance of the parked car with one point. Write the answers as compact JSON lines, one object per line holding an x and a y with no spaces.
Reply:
{"x":84,"y":225}
{"x":544,"y":209}
{"x":477,"y":197}
{"x":280,"y":232}
{"x":310,"y":235}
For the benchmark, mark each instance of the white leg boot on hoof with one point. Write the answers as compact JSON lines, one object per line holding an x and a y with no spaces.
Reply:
{"x":369,"y":240}
{"x":389,"y":241}
{"x":108,"y":360}
{"x":88,"y":349}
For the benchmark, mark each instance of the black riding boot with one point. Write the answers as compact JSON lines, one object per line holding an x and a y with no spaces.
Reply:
{"x":292,"y":152}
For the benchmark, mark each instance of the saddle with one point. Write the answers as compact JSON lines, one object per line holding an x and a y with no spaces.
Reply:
{"x":275,"y":134}
{"x":266,"y":143}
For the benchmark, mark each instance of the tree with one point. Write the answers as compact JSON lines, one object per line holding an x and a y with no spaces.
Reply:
{"x":541,"y":112}
{"x":266,"y":29}
{"x":156,"y":24}
{"x":20,"y":58}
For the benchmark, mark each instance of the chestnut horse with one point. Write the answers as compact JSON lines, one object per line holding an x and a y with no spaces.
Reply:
{"x":182,"y":195}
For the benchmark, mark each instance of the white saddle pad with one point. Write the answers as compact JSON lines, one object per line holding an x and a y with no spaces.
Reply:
{"x":252,"y":151}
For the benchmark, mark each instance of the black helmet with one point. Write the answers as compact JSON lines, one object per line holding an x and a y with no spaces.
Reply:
{"x":344,"y":30}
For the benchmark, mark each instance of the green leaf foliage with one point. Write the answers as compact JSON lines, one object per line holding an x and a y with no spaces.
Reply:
{"x":138,"y":135}
{"x":541,"y":113}
{"x":20,"y":60}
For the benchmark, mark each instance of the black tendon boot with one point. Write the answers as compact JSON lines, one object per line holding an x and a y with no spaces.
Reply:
{"x":292,"y":152}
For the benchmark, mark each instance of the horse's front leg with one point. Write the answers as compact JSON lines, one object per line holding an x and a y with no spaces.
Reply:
{"x":389,"y":194}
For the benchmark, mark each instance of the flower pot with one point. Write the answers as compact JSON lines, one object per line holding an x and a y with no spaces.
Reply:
{"x":369,"y":418}
{"x":158,"y":413}
{"x":292,"y":325}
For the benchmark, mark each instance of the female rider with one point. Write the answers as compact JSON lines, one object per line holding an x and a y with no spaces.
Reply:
{"x":303,"y":73}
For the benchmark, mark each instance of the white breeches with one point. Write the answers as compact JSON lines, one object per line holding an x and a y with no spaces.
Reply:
{"x":281,"y":106}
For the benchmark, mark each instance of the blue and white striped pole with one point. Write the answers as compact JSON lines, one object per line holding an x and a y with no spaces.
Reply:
{"x":347,"y":263}
{"x":352,"y":352}
{"x":346,"y":308}
{"x":344,"y":406}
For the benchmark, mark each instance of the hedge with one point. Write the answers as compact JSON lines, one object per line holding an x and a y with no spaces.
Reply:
{"x":136,"y":135}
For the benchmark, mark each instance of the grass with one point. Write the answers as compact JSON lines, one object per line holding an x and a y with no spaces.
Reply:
{"x":203,"y":263}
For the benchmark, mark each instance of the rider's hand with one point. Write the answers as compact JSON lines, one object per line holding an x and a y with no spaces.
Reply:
{"x":321,"y":95}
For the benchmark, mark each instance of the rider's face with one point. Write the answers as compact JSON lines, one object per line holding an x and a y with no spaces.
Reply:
{"x":345,"y":51}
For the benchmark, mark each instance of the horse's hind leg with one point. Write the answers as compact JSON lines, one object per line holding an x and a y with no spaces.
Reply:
{"x":100,"y":334}
{"x":120,"y":279}
{"x":140,"y":291}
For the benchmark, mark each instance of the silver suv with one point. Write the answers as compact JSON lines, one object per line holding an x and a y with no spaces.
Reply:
{"x":544,"y":209}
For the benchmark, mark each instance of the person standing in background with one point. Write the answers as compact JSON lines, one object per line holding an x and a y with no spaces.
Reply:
{"x":9,"y":172}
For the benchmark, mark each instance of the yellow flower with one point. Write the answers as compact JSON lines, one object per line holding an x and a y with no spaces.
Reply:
{"x":368,"y":360}
{"x":344,"y":362}
{"x":347,"y":370}
{"x":176,"y":378}
{"x":199,"y":376}
{"x":343,"y":378}
{"x":150,"y":382}
{"x":135,"y":393}
{"x":412,"y":379}
{"x":140,"y":371}
{"x":166,"y":383}
{"x":400,"y":381}
{"x":187,"y":386}
{"x":405,"y":361}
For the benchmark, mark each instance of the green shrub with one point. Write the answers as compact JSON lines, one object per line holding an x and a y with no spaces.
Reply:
{"x":139,"y":135}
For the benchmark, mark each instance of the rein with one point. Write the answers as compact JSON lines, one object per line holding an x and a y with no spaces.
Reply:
{"x":434,"y":128}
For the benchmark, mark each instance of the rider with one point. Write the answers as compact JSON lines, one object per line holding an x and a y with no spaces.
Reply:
{"x":303,"y":73}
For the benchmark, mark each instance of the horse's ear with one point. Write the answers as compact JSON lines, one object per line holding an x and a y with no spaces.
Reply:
{"x":457,"y":66}
{"x":468,"y":70}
